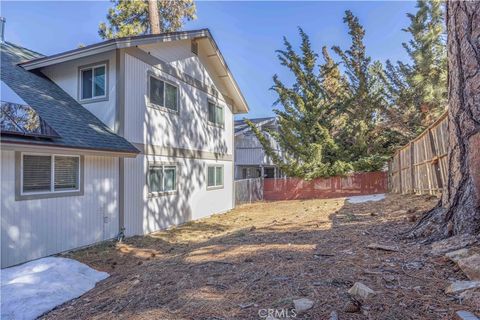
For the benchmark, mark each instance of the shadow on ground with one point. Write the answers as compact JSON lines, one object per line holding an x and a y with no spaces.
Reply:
{"x":262,"y":256}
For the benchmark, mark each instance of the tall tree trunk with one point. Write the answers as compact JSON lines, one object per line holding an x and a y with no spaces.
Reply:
{"x":459,"y":210}
{"x":153,"y":17}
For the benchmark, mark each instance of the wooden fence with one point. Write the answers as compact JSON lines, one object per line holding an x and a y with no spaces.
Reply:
{"x":333,"y":187}
{"x":420,"y":167}
{"x":248,"y":190}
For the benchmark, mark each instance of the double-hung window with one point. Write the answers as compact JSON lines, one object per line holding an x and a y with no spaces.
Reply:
{"x":214,"y":176}
{"x":43,"y":174}
{"x":93,"y":82}
{"x":215,"y":114}
{"x":162,"y":93}
{"x":161,"y":178}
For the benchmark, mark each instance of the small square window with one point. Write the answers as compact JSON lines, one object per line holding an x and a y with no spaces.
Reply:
{"x":215,"y":114}
{"x":163,"y":94}
{"x":162,"y":178}
{"x":215,"y":176}
{"x":93,"y":82}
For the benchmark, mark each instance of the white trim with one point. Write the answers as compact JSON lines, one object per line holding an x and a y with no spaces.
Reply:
{"x":52,"y":174}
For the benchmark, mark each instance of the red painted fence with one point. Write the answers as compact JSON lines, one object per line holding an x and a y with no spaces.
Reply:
{"x":334,"y":187}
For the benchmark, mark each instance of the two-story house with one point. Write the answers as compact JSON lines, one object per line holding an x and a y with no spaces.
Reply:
{"x":251,"y":161}
{"x":132,"y":135}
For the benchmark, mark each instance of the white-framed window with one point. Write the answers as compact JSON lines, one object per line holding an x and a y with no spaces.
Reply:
{"x":216,"y":115}
{"x":161,"y":178}
{"x":93,"y":82}
{"x":45,"y":173}
{"x":214,"y":176}
{"x":162,"y":93}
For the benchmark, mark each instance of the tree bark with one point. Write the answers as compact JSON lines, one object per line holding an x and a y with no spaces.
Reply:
{"x":458,"y":212}
{"x":153,"y":17}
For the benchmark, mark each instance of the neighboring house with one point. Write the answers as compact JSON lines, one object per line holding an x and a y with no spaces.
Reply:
{"x":130,"y":136}
{"x":250,"y":158}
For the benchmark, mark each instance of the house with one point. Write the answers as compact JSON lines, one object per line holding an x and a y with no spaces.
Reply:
{"x":250,"y":158}
{"x":122,"y":137}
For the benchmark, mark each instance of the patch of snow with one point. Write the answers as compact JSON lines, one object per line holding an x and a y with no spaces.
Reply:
{"x":372,"y":197}
{"x":33,"y":288}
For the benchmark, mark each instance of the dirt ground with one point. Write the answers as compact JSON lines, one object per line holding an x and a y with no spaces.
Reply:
{"x":262,"y":256}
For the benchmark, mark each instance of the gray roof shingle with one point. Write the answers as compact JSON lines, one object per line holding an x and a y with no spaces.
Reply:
{"x":77,"y":127}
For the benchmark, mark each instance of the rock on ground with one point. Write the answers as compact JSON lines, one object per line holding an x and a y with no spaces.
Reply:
{"x":302,"y":305}
{"x":458,"y":254}
{"x":359,"y":290}
{"x":453,"y":243}
{"x":470,"y":266}
{"x":459,"y":286}
{"x":465,"y":315}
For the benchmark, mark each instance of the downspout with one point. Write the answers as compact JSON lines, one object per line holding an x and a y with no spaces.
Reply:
{"x":120,"y":130}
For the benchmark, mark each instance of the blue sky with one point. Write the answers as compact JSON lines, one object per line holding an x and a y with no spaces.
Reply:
{"x":248,"y":33}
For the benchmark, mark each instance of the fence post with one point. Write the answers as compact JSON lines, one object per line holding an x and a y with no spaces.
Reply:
{"x":412,"y":169}
{"x":436,"y":167}
{"x":400,"y":171}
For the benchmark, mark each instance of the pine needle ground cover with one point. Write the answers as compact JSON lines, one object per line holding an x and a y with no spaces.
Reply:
{"x":264,"y":256}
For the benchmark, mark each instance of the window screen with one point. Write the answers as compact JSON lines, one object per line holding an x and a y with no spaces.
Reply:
{"x":156,"y":91}
{"x":37,"y":173}
{"x":170,"y":96}
{"x":99,"y":82}
{"x":87,"y":92}
{"x":66,"y":173}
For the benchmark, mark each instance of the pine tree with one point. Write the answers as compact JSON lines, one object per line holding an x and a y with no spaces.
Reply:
{"x":131,"y":18}
{"x":360,"y":139}
{"x":458,"y":212}
{"x":417,"y":92}
{"x":309,"y":151}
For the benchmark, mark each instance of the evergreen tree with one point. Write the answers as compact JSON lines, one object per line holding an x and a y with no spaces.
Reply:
{"x":417,"y":92}
{"x":360,"y":140}
{"x":131,"y":18}
{"x":309,"y":151}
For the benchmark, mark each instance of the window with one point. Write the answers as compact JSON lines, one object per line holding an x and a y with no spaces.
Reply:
{"x":93,"y":82}
{"x":215,"y":114}
{"x":163,"y":94}
{"x":49,"y":173}
{"x":214,"y":176}
{"x":162,"y":178}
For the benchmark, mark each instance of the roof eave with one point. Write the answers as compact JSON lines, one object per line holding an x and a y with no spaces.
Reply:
{"x":108,"y":45}
{"x":240,"y":108}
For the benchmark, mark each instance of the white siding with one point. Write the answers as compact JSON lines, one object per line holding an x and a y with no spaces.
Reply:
{"x":189,"y":128}
{"x":249,"y":151}
{"x":65,"y":75}
{"x":36,"y":228}
{"x":179,"y":55}
{"x":144,"y":214}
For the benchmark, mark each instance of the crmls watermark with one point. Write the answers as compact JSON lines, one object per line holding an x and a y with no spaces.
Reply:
{"x":277,"y":313}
